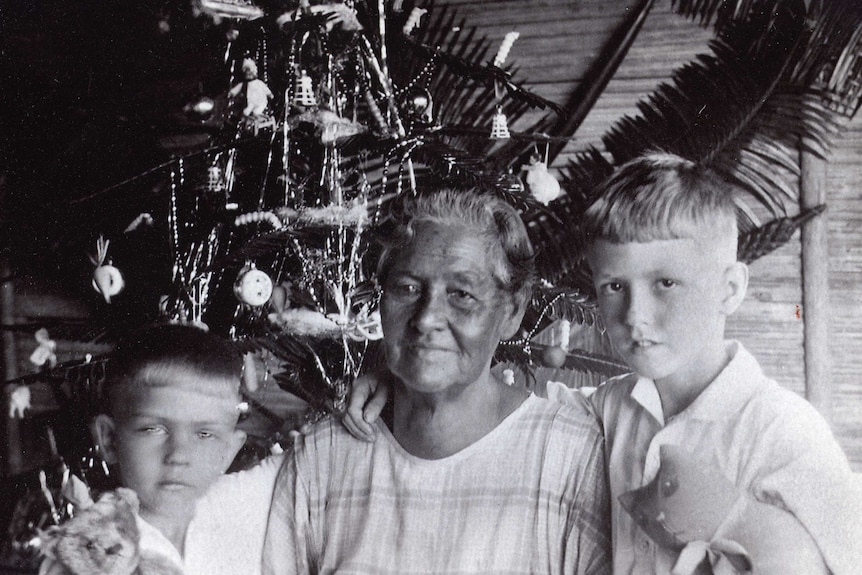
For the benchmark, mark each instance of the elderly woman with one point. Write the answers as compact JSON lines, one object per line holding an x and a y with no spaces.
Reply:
{"x":473,"y":476}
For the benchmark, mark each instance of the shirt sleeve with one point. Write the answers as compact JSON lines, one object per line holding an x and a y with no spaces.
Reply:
{"x":286,"y":545}
{"x":227,"y":533}
{"x":589,"y":532}
{"x":809,"y":476}
{"x":51,"y":566}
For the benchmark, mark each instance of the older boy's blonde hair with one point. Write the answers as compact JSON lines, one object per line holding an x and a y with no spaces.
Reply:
{"x":661,"y":196}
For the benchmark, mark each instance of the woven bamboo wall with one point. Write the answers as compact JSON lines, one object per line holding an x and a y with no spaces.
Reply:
{"x":845,"y":284}
{"x":561,"y":38}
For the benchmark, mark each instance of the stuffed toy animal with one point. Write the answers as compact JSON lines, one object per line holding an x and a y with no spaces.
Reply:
{"x":102,"y":538}
{"x":717,"y":529}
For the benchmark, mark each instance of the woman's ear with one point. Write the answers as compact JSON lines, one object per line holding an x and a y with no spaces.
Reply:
{"x":736,"y":284}
{"x":103,"y":429}
{"x":512,"y":323}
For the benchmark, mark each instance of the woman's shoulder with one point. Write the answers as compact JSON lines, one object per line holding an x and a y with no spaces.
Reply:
{"x":572,"y":418}
{"x":328,"y":439}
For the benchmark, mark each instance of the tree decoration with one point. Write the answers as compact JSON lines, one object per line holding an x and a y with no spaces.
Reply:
{"x":499,"y":126}
{"x":412,"y":21}
{"x":19,"y":401}
{"x":542,"y":184}
{"x":238,"y":9}
{"x":253,"y":287}
{"x":555,"y":354}
{"x":107,"y":280}
{"x":45,"y":353}
{"x":303,"y":94}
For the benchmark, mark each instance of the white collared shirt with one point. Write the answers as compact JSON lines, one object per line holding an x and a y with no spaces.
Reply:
{"x":767,"y":440}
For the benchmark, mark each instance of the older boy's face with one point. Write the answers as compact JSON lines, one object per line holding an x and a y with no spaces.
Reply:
{"x":172,"y":444}
{"x":662,"y":304}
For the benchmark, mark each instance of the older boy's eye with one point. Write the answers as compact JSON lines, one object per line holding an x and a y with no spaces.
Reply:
{"x":666,"y":283}
{"x":611,"y":287}
{"x":151,"y":430}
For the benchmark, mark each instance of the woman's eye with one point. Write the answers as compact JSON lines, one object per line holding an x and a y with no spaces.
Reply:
{"x":461,"y":294}
{"x":404,"y":289}
{"x":462,"y":298}
{"x":205,"y":434}
{"x":666,"y":283}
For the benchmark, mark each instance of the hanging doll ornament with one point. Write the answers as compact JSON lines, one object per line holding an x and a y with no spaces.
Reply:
{"x":253,"y":287}
{"x":257,"y":93}
{"x":257,"y":96}
{"x":543,"y":185}
{"x":107,"y":280}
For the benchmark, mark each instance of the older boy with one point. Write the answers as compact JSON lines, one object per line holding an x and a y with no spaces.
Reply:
{"x":663,"y":242}
{"x":662,"y":248}
{"x":169,"y":432}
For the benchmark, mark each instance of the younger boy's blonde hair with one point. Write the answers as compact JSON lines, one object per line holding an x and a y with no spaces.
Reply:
{"x":661,"y":196}
{"x":168,"y":355}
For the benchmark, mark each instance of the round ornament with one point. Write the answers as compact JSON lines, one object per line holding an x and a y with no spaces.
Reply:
{"x":419,"y":104}
{"x":253,"y":287}
{"x":108,"y":281}
{"x":554,"y":356}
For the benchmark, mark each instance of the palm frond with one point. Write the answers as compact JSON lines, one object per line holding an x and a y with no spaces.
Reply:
{"x":724,"y":12}
{"x":486,"y":74}
{"x":584,"y":97}
{"x":577,"y":305}
{"x":772,"y":235}
{"x":710,"y":111}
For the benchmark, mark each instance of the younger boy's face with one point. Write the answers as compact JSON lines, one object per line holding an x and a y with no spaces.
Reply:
{"x":664,"y":303}
{"x":171,"y":444}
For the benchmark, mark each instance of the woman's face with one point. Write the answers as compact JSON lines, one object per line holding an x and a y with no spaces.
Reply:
{"x":442,"y":311}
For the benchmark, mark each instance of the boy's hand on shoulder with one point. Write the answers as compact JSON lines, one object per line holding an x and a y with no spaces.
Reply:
{"x":368,"y":396}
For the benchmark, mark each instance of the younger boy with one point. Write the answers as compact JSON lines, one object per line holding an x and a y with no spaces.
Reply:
{"x":169,"y":432}
{"x":662,"y":241}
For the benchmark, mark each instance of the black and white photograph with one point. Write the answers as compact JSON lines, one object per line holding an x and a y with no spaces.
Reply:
{"x":431,"y":287}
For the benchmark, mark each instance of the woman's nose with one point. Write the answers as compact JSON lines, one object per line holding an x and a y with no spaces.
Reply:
{"x":429,"y":313}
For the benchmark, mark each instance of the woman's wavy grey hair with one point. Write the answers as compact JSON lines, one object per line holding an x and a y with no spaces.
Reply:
{"x":494,"y":220}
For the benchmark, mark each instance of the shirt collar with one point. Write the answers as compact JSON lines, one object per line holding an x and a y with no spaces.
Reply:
{"x":726,"y":395}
